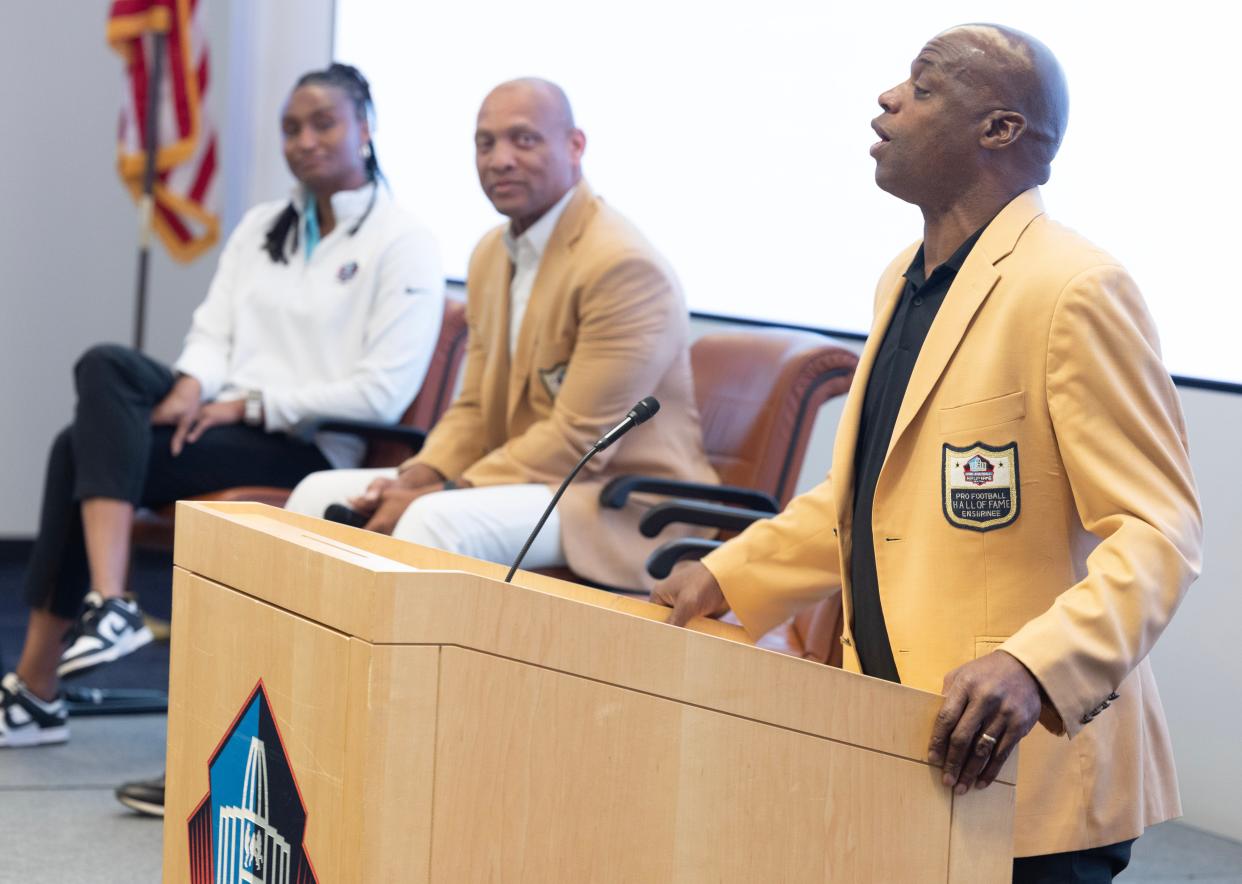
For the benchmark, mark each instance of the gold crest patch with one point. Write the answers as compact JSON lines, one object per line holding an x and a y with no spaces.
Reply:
{"x":980,"y":486}
{"x":553,"y":378}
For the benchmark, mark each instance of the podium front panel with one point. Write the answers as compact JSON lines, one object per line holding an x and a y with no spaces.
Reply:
{"x":345,"y":707}
{"x":225,"y":645}
{"x":543,"y":776}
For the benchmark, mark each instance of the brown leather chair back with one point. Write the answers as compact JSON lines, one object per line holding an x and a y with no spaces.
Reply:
{"x":758,"y":393}
{"x":439,"y":385}
{"x":815,"y":632}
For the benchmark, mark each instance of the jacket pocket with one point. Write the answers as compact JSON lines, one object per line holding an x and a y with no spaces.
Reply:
{"x":986,"y":644}
{"x":985,"y":413}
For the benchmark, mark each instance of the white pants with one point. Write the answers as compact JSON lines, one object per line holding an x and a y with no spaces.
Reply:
{"x":488,"y":523}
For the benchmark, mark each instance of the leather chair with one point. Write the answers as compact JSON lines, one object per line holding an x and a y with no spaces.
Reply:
{"x":758,"y":392}
{"x":387,"y":444}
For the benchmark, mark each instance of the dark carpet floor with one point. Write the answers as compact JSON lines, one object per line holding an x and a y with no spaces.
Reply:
{"x":150,"y":581}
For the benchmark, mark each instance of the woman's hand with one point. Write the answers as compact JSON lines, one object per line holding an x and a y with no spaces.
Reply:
{"x":214,"y":414}
{"x":185,"y":398}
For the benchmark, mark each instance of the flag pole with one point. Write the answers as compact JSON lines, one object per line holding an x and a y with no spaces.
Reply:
{"x":146,"y":204}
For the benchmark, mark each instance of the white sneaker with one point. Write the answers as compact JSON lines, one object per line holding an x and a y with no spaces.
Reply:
{"x":106,"y":630}
{"x":25,"y":720}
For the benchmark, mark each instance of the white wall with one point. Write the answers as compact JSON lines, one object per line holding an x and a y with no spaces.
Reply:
{"x":67,"y":250}
{"x":68,"y":232}
{"x":1198,"y":663}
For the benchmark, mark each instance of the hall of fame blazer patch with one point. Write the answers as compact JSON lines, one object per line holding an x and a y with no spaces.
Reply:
{"x":553,"y":379}
{"x":980,"y":486}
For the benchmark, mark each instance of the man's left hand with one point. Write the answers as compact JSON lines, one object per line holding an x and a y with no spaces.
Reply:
{"x":989,"y":705}
{"x":394,"y":500}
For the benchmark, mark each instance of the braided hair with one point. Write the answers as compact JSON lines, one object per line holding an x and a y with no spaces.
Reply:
{"x":349,"y":80}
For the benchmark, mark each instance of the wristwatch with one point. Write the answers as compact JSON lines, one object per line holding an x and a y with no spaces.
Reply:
{"x":253,"y":413}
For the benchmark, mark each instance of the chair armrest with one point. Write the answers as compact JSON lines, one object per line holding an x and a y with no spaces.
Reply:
{"x":372,"y":431}
{"x":707,"y":515}
{"x":661,"y":562}
{"x":618,"y":490}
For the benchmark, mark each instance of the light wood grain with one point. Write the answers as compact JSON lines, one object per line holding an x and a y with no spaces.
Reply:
{"x":373,"y":587}
{"x":390,"y":761}
{"x":223,"y":642}
{"x":547,"y":777}
{"x":977,"y":825}
{"x":318,"y":548}
{"x":445,"y":726}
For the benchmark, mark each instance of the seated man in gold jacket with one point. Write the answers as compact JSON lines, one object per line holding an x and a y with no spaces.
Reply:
{"x":573,"y":318}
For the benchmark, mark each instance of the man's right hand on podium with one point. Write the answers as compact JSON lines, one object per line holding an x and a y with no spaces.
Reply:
{"x":691,"y":591}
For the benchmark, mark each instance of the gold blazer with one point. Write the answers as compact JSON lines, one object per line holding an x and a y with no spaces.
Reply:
{"x":606,"y":325}
{"x":1036,"y":497}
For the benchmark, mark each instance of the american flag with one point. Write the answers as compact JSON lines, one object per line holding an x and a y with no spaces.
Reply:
{"x":186,"y":155}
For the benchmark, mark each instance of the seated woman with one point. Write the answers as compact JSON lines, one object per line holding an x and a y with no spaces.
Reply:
{"x":325,"y":305}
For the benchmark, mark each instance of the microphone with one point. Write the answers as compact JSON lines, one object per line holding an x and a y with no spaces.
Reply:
{"x":338,"y":512}
{"x":641,"y":412}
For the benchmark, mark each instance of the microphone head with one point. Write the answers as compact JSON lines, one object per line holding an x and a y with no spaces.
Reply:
{"x":645,"y":409}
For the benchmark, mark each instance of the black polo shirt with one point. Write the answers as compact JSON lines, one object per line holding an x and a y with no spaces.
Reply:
{"x":886,"y":388}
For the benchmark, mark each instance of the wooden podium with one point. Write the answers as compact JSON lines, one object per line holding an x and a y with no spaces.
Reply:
{"x":348,"y":707}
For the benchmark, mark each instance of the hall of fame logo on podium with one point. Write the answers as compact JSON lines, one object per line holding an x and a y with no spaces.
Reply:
{"x":248,"y":828}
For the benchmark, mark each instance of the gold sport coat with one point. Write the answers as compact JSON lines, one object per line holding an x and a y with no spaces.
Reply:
{"x":606,"y":325}
{"x":1036,"y":497}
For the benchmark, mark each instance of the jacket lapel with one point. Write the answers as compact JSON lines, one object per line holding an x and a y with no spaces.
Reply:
{"x":549,"y":285}
{"x":851,"y":414}
{"x":495,"y":321}
{"x":974,"y":282}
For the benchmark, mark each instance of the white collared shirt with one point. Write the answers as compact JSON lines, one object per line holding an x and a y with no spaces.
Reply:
{"x":346,"y":332}
{"x":526,"y":251}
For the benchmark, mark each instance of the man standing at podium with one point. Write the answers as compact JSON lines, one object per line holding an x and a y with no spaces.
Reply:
{"x":573,"y":317}
{"x":1011,"y":517}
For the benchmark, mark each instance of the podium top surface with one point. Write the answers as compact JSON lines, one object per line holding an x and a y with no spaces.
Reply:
{"x":343,"y":577}
{"x":389,"y":592}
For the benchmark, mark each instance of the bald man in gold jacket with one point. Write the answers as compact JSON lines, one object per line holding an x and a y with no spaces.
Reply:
{"x":1034,"y":522}
{"x":573,"y":317}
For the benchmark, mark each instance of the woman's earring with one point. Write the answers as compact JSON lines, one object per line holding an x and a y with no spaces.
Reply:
{"x":365,"y":152}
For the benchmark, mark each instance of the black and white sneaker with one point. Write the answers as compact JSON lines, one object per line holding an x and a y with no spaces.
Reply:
{"x":143,"y":796}
{"x":107,"y":629}
{"x":25,"y":720}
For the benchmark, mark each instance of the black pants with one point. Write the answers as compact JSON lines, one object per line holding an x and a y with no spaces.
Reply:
{"x":1098,"y":865}
{"x":112,"y":451}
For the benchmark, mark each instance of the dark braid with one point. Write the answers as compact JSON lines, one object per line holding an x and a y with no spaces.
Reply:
{"x":274,"y":241}
{"x":349,"y":80}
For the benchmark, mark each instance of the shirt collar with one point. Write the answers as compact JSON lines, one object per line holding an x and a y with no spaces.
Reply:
{"x":347,"y":205}
{"x":916,"y":272}
{"x":535,"y":238}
